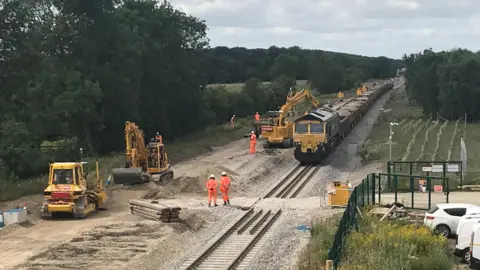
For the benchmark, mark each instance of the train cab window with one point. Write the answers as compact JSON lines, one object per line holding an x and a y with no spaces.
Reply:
{"x":301,"y":128}
{"x":316,"y":128}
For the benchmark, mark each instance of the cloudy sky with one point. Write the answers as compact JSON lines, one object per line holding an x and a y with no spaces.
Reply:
{"x":368,"y":27}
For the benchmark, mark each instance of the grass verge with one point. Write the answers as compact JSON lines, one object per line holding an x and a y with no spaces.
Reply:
{"x":378,"y":246}
{"x":181,"y":149}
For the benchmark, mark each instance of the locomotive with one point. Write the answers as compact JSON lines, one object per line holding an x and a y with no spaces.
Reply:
{"x":318,"y":132}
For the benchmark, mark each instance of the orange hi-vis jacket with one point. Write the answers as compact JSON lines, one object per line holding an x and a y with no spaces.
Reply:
{"x":224,"y":183}
{"x":257,"y":117}
{"x":253,"y":138}
{"x":211,"y":185}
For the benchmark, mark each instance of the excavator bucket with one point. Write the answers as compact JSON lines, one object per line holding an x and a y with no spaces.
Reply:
{"x":129,"y":176}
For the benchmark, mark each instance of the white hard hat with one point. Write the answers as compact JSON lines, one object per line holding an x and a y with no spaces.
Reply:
{"x":224,"y":173}
{"x":253,"y":131}
{"x":212,"y":175}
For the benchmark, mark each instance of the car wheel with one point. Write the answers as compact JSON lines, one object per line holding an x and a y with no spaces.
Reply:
{"x":466,"y":256}
{"x":443,"y":230}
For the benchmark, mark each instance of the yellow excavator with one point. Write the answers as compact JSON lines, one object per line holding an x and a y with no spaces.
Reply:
{"x":281,"y":132}
{"x":143,"y":162}
{"x":68,"y":191}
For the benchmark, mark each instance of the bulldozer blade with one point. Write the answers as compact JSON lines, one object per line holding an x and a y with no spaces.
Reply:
{"x":129,"y":176}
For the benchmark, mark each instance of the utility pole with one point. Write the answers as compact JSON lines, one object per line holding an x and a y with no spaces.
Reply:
{"x":390,"y":142}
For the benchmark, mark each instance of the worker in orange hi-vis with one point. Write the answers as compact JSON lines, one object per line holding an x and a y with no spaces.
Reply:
{"x":212,"y":190}
{"x":224,"y":187}
{"x":257,"y":117}
{"x":253,"y":142}
{"x":232,"y":121}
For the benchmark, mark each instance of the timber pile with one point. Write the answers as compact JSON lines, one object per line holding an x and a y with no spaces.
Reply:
{"x":155,"y":211}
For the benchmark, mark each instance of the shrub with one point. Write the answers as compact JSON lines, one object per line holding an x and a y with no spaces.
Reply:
{"x":316,"y":252}
{"x":383,"y":245}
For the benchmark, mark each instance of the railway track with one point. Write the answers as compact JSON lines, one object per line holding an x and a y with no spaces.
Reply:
{"x":234,"y":247}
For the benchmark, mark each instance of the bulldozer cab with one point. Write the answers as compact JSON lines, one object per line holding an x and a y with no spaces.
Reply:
{"x":66,"y":173}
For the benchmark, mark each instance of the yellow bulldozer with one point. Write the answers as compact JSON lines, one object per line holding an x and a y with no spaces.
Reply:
{"x":280,"y":133}
{"x":68,"y":191}
{"x":143,"y":162}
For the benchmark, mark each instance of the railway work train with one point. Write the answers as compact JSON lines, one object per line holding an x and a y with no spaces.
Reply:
{"x":318,"y":132}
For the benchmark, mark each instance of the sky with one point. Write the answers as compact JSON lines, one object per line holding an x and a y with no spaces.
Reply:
{"x":367,"y":27}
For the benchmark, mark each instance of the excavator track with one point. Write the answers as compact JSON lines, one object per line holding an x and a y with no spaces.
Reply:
{"x":161,"y":177}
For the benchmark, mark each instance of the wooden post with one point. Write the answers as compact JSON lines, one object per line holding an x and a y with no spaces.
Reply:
{"x":329,"y":265}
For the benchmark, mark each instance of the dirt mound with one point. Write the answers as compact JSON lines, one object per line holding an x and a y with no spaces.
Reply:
{"x":184,"y":184}
{"x":189,"y":222}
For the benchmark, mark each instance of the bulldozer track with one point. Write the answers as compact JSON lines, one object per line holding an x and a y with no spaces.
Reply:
{"x":237,"y":244}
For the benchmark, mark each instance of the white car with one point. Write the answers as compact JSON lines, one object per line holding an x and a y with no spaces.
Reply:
{"x":464,"y":233}
{"x":444,"y":217}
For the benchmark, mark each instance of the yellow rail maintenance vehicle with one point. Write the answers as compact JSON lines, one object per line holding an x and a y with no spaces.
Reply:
{"x":68,"y":191}
{"x":282,"y":131}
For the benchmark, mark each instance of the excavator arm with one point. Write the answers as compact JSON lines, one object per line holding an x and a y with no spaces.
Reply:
{"x":135,"y":151}
{"x":135,"y":157}
{"x":292,"y":101}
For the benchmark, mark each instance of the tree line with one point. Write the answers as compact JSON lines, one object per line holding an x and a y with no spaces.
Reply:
{"x":445,"y":82}
{"x":73,"y":71}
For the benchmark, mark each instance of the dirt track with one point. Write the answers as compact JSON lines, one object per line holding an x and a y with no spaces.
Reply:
{"x":115,"y":239}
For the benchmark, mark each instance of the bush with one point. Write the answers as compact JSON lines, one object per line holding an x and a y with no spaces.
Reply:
{"x":383,"y":245}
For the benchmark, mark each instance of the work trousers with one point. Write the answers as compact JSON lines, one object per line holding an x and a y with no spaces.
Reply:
{"x":252,"y":147}
{"x":212,"y":195}
{"x":225,"y":194}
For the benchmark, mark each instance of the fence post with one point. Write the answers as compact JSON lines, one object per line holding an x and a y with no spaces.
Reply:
{"x":429,"y":185}
{"x":412,"y":188}
{"x":363,"y":192}
{"x":329,"y":265}
{"x":389,"y":171}
{"x":395,"y":182}
{"x":368,"y":189}
{"x":379,"y":188}
{"x":373,"y":188}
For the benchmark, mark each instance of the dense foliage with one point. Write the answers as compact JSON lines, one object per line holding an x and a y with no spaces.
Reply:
{"x":446,"y":83}
{"x":72,"y":71}
{"x":328,"y":71}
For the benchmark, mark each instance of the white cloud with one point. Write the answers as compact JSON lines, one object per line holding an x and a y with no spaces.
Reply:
{"x":368,"y":27}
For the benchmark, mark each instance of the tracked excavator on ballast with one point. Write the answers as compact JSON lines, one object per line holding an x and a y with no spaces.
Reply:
{"x":143,"y":162}
{"x":281,"y":132}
